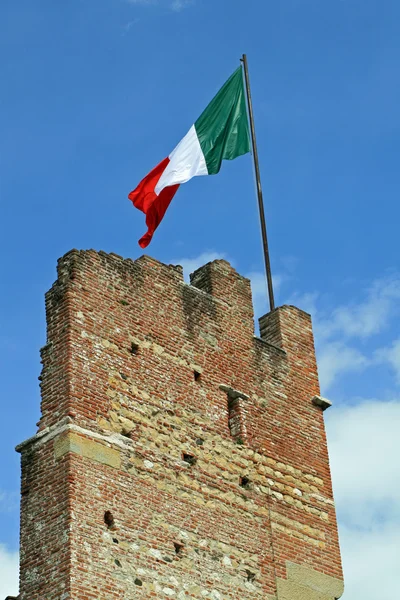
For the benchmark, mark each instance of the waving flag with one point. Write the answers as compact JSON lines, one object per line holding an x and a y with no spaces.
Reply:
{"x":221,"y":132}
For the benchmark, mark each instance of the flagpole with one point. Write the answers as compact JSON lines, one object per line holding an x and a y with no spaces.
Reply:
{"x":259,"y":188}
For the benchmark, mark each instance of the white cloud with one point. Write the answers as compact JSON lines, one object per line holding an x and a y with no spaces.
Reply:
{"x":364,"y":447}
{"x":336,"y":358}
{"x":371,"y":562}
{"x":368,"y":317}
{"x":391,"y":355}
{"x":8,"y":572}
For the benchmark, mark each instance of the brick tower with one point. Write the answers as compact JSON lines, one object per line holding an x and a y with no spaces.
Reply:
{"x":178,"y":456}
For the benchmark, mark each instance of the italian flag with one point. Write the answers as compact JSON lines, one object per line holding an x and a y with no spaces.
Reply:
{"x":221,"y":132}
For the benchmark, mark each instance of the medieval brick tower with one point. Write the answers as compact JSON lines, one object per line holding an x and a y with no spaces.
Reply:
{"x":178,"y":456}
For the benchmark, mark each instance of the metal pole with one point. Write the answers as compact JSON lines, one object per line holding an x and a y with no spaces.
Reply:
{"x":259,"y":188}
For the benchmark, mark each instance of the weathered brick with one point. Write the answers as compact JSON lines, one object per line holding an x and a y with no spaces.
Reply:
{"x":178,"y":455}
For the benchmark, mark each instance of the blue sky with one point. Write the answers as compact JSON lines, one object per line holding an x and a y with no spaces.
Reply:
{"x":96,"y":92}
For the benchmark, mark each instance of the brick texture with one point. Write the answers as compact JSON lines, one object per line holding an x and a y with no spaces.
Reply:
{"x":177,"y":455}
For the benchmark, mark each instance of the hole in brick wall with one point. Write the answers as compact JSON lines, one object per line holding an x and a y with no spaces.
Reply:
{"x":109,"y":519}
{"x":199,"y":442}
{"x":115,"y":541}
{"x":189,"y":459}
{"x":231,"y":404}
{"x":123,"y":376}
{"x":197,"y":375}
{"x":250,"y":576}
{"x":244,"y":482}
{"x":178,"y":548}
{"x":117,"y":562}
{"x":134,"y":348}
{"x":138,"y":582}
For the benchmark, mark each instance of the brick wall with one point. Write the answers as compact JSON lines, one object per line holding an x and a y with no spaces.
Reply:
{"x":178,"y":455}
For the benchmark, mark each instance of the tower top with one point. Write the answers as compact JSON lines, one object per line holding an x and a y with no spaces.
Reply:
{"x":178,"y":455}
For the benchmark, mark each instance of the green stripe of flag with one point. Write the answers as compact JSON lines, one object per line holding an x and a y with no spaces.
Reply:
{"x":223,"y":128}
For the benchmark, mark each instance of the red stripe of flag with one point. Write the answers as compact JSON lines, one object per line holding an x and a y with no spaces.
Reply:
{"x":154,"y":206}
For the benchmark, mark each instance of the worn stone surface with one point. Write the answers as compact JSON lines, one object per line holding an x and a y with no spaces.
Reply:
{"x":304,"y":583}
{"x":178,"y":456}
{"x":72,"y":442}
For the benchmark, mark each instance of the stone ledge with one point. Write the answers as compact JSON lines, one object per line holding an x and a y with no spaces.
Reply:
{"x":66,"y":425}
{"x":232,"y":393}
{"x":323,"y":403}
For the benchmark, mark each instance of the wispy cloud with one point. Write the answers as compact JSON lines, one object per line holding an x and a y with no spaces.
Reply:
{"x":308,"y":302}
{"x":8,"y":501}
{"x":174,"y":5}
{"x":368,"y":317}
{"x":391,"y":355}
{"x":179,"y":5}
{"x":143,"y":2}
{"x":128,"y":26}
{"x":340,"y":331}
{"x":8,"y":572}
{"x":337,"y":358}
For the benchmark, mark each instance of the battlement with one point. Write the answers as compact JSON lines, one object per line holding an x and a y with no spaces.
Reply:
{"x":177,"y":455}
